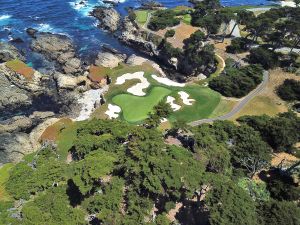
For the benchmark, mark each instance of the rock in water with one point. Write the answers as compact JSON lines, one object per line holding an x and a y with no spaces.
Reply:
{"x":58,"y":48}
{"x":109,"y":18}
{"x":31,"y":31}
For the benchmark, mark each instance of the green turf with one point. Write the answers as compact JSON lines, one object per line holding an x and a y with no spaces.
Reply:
{"x":141,"y":16}
{"x":135,"y":108}
{"x":206,"y":101}
{"x":4,"y":175}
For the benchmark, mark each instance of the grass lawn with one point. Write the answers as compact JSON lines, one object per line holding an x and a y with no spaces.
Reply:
{"x":4,"y":175}
{"x":141,"y":16}
{"x":206,"y":102}
{"x":135,"y":108}
{"x":185,"y":18}
{"x":224,"y":107}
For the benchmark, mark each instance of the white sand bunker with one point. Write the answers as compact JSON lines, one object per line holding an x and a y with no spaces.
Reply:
{"x":113,"y":111}
{"x":88,"y":102}
{"x":164,"y":120}
{"x":185,"y":98}
{"x":138,"y":88}
{"x":167,"y":81}
{"x":174,"y":106}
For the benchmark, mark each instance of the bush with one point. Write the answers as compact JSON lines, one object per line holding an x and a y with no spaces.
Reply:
{"x":236,"y":82}
{"x":170,"y":33}
{"x":267,"y":58}
{"x":238,"y":45}
{"x":279,"y":213}
{"x":163,"y":19}
{"x":283,"y":188}
{"x":289,"y":90}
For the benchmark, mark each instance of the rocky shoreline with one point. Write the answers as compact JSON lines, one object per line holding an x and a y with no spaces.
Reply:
{"x":28,"y":105}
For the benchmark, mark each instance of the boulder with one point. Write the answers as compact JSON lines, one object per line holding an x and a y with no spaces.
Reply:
{"x":108,"y":59}
{"x":72,"y":66}
{"x":134,"y":60}
{"x":20,"y":135}
{"x":17,"y":40}
{"x":109,"y":18}
{"x":13,"y":147}
{"x":71,"y":82}
{"x":17,"y":123}
{"x":31,"y":31}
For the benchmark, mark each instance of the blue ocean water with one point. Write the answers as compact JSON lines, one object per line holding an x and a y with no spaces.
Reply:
{"x":64,"y":16}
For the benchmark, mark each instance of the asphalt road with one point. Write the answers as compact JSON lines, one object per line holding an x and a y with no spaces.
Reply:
{"x":239,"y":106}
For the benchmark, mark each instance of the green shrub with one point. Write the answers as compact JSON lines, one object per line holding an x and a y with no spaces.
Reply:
{"x":237,"y":82}
{"x":163,"y":19}
{"x":170,"y":33}
{"x":265,"y":57}
{"x":289,"y":90}
{"x":238,"y":45}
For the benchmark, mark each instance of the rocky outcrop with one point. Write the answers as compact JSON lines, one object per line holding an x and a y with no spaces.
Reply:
{"x":12,"y":97}
{"x":69,"y":82}
{"x":16,"y":136}
{"x":109,"y":18}
{"x":13,"y":147}
{"x":31,"y":32}
{"x":132,"y":36}
{"x":60,"y":49}
{"x":9,"y":52}
{"x":134,"y":60}
{"x":30,"y":85}
{"x":108,"y":59}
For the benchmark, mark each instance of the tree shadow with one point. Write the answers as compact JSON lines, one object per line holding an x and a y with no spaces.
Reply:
{"x":75,"y":197}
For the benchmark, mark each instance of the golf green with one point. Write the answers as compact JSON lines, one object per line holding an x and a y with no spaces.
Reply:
{"x":135,"y":108}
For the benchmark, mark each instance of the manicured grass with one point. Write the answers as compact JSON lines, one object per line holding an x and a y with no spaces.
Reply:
{"x":206,"y":101}
{"x":135,"y":108}
{"x":141,"y":16}
{"x":4,"y":175}
{"x":225,"y":106}
{"x":21,"y":68}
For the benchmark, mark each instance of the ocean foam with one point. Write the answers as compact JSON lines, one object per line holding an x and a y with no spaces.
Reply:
{"x":86,"y":8}
{"x":44,"y":27}
{"x":5,"y":17}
